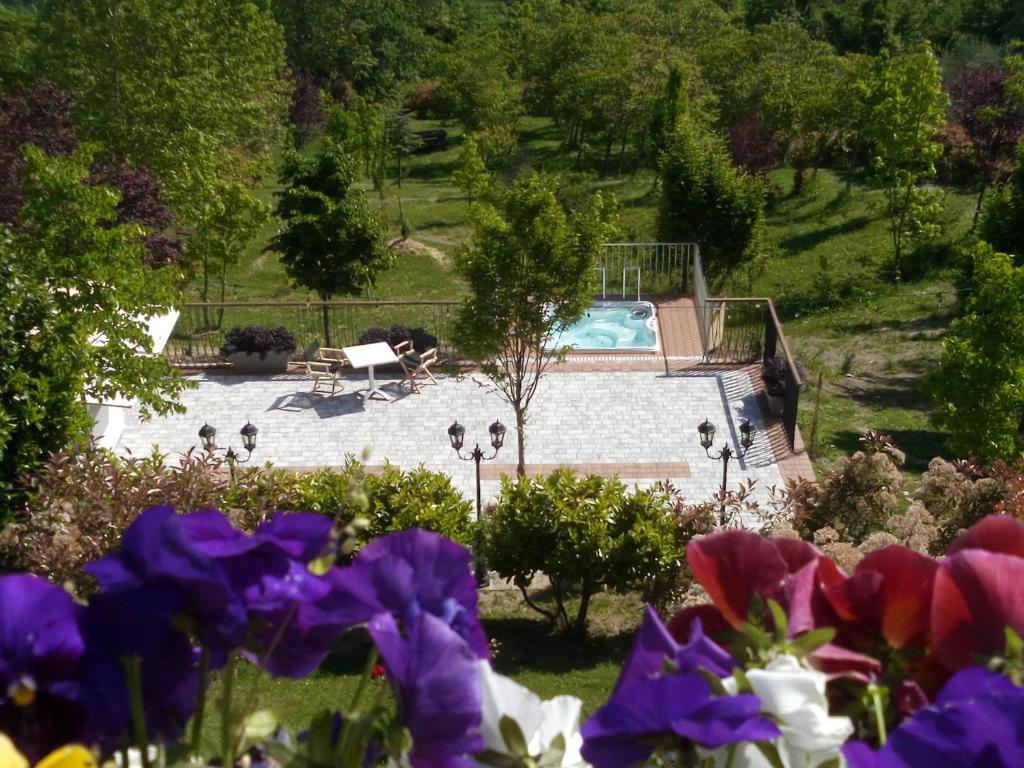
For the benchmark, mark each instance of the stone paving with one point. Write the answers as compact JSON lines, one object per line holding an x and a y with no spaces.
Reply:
{"x":634,"y":424}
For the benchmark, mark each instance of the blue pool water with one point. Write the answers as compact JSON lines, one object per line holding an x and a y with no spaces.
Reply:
{"x":613,"y":325}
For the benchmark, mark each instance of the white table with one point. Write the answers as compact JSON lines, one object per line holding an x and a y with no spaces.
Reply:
{"x":367,"y":356}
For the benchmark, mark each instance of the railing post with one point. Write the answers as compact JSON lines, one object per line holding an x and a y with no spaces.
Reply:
{"x":771,"y":334}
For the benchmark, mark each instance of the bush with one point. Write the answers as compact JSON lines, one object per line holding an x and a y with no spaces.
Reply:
{"x":857,"y":498}
{"x":773,"y":373}
{"x":255,"y":339}
{"x":394,"y":335}
{"x":583,"y":534}
{"x":417,"y":499}
{"x":423,"y":340}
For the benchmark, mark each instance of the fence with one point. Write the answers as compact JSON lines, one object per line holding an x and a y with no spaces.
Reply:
{"x":743,"y":330}
{"x":199,"y":333}
{"x":644,"y":267}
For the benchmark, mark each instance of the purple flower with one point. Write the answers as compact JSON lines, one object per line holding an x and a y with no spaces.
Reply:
{"x":290,"y":629}
{"x":40,"y":649}
{"x":436,"y":680}
{"x":654,"y":646}
{"x":158,"y":551}
{"x":138,"y":623}
{"x":624,"y":730}
{"x":977,"y":720}
{"x":407,"y":574}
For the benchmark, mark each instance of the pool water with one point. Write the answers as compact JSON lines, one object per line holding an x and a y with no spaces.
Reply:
{"x":613,"y":325}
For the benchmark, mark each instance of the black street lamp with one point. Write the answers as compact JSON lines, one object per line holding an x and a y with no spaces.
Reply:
{"x":707,"y":438}
{"x":456,"y":433}
{"x":208,"y":435}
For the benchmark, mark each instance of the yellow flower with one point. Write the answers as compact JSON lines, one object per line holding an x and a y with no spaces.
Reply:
{"x":10,"y":757}
{"x":71,"y":756}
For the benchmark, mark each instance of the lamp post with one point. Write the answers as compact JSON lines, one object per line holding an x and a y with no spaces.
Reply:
{"x":456,"y":433}
{"x":208,"y":435}
{"x":707,"y":438}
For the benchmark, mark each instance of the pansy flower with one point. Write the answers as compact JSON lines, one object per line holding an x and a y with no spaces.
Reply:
{"x":41,"y":704}
{"x":407,"y":574}
{"x":975,"y":721}
{"x":436,"y":681}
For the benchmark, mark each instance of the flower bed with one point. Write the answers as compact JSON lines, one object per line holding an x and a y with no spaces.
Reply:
{"x":906,"y":661}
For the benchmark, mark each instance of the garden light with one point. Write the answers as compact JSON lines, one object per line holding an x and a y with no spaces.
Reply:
{"x":208,"y":435}
{"x":456,"y":433}
{"x":706,"y":430}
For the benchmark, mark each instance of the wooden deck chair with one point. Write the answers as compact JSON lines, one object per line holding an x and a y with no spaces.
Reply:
{"x":415,"y":365}
{"x":333,"y":356}
{"x":324,"y":373}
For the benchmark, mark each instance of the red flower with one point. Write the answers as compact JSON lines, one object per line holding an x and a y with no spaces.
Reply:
{"x":378,"y":671}
{"x":979,"y":592}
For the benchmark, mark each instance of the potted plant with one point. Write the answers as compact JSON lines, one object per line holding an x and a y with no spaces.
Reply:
{"x":773,"y":374}
{"x":256,"y":349}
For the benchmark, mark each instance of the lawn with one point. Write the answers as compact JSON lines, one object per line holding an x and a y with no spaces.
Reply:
{"x":525,"y":649}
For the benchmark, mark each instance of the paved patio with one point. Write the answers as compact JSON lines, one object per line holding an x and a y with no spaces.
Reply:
{"x":639,"y":425}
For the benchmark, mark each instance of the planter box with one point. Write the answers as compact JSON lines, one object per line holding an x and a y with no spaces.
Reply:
{"x":248,"y":362}
{"x":776,"y":404}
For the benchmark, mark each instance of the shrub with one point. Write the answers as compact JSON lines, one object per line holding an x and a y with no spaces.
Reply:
{"x":960,"y":493}
{"x":255,"y":339}
{"x":773,"y":373}
{"x":583,"y":534}
{"x":394,"y":335}
{"x":857,"y":498}
{"x":417,"y":499}
{"x":422,"y":340}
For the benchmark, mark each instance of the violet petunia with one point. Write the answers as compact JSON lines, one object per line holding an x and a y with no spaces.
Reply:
{"x":436,"y":679}
{"x":975,"y":721}
{"x":157,"y":551}
{"x":40,"y":650}
{"x":407,"y":574}
{"x":624,"y":731}
{"x":654,"y":646}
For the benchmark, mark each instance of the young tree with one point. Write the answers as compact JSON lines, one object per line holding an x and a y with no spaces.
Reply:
{"x":530,"y":268}
{"x":979,"y":386}
{"x":75,"y":296}
{"x":1002,"y":220}
{"x":332,"y":242}
{"x":707,"y":200}
{"x":994,"y":121}
{"x":901,"y":107}
{"x":472,"y":176}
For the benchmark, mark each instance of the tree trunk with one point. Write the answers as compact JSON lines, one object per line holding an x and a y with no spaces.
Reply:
{"x":607,"y":154}
{"x":580,"y":625}
{"x":521,"y":439}
{"x":579,"y":149}
{"x":223,"y":286}
{"x":622,"y":150}
{"x":206,"y":290}
{"x":327,"y":322}
{"x":641,"y":145}
{"x":977,"y":207}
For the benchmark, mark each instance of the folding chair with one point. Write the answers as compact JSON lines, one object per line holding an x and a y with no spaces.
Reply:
{"x":414,"y":364}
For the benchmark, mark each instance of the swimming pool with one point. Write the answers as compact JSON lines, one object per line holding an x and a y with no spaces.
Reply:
{"x":613,"y":325}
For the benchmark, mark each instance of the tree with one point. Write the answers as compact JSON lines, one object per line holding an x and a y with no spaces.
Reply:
{"x":195,"y":91}
{"x":472,"y":176}
{"x":707,"y":200}
{"x":901,"y":107}
{"x":979,"y":385}
{"x":530,"y":268}
{"x":1002,"y":220}
{"x":332,"y":242}
{"x":75,"y":296}
{"x":993,"y":121}
{"x":41,"y":116}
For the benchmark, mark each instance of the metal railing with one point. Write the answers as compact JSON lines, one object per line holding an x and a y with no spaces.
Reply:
{"x":663,"y":266}
{"x":199,"y":333}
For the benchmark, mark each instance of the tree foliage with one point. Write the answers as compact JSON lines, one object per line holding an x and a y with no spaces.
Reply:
{"x":979,"y":385}
{"x":1002,"y":219}
{"x":707,"y":200}
{"x":193,"y":90}
{"x":530,"y":268}
{"x":900,"y":106}
{"x":331,"y":241}
{"x":75,"y":297}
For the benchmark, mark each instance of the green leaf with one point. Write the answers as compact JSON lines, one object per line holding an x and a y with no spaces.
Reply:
{"x":779,"y":619}
{"x":496,"y":759}
{"x":259,"y":725}
{"x":553,"y":755}
{"x":770,"y":752}
{"x":811,"y":641}
{"x":318,"y":744}
{"x":513,"y":737}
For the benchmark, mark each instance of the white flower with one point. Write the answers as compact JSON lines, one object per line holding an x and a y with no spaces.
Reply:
{"x":539,"y":721}
{"x":795,"y":695}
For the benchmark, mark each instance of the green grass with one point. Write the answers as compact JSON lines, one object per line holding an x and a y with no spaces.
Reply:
{"x":527,"y":651}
